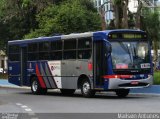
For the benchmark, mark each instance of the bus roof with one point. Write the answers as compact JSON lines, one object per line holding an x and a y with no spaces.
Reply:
{"x":69,"y":36}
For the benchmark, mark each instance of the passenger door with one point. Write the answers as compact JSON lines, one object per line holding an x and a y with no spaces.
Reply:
{"x":100,"y":62}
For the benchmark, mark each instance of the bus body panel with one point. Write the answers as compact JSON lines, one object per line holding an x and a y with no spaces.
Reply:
{"x":64,"y":74}
{"x":14,"y":73}
{"x":54,"y":75}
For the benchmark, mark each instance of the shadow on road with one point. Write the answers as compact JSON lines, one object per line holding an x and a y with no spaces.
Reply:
{"x":108,"y":95}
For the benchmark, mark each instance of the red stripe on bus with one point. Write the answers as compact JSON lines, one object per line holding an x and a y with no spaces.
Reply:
{"x":40,"y":77}
{"x":117,"y":76}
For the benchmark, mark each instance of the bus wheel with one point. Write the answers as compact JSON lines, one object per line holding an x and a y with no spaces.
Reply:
{"x":122,"y":93}
{"x":35,"y":87}
{"x":67,"y":91}
{"x":86,"y":89}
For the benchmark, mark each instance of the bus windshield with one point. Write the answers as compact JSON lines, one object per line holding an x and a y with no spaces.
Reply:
{"x":130,"y":55}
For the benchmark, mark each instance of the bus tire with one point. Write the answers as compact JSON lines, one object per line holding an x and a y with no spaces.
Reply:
{"x":67,"y":91}
{"x":36,"y":88}
{"x":122,"y":93}
{"x":86,"y":89}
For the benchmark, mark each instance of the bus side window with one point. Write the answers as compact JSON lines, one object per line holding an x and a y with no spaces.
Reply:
{"x":70,"y":44}
{"x":14,"y":53}
{"x":70,"y":49}
{"x":84,"y":43}
{"x":56,"y":45}
{"x":84,"y":48}
{"x":56,"y":50}
{"x":56,"y":55}
{"x":70,"y":54}
{"x":84,"y":54}
{"x":44,"y":46}
{"x":33,"y":51}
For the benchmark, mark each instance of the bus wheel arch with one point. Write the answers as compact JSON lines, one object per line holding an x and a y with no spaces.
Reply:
{"x":85,"y":84}
{"x":81,"y":78}
{"x":31,"y":78}
{"x":35,"y":86}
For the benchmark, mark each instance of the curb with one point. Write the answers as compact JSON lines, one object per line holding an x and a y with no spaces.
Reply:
{"x":10,"y":86}
{"x":145,"y":94}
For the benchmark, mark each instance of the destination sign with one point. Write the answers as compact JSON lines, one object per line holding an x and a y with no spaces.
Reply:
{"x":127,"y":36}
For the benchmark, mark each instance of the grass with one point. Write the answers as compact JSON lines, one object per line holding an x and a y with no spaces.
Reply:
{"x":156,"y":78}
{"x":3,"y":76}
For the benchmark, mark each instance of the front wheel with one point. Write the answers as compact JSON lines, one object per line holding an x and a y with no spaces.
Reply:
{"x":86,"y":89}
{"x":36,"y":88}
{"x":122,"y":93}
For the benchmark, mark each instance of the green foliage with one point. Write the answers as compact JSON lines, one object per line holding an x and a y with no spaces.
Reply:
{"x":118,"y":2}
{"x":151,"y":22}
{"x":42,"y":18}
{"x":69,"y":17}
{"x":3,"y":76}
{"x":156,"y":78}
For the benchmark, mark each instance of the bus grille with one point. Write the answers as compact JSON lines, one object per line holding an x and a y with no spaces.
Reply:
{"x":133,"y":85}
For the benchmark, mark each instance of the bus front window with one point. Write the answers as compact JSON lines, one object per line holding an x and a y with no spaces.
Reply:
{"x":130,"y":55}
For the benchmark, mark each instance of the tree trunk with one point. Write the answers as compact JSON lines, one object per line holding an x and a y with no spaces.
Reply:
{"x":155,"y":54}
{"x":117,"y":20}
{"x":103,"y":22}
{"x":125,"y":14}
{"x":138,"y":15}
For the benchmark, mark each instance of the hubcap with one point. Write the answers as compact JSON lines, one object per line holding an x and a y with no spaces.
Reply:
{"x":86,"y":87}
{"x":34,"y":86}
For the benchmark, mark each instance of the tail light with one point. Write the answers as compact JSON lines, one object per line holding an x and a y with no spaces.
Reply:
{"x":90,"y":66}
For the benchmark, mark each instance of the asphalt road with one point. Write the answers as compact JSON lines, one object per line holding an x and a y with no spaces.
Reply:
{"x":17,"y":101}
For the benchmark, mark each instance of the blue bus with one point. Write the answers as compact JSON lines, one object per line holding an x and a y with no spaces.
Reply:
{"x":111,"y":60}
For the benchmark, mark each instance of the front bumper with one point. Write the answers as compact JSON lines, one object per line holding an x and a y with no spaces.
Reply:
{"x":117,"y":83}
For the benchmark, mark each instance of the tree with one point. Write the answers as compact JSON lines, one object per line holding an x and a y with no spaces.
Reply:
{"x":121,"y":13}
{"x":117,"y":5}
{"x":69,"y":17}
{"x":18,"y":17}
{"x":125,"y":14}
{"x":151,"y":23}
{"x":138,"y":15}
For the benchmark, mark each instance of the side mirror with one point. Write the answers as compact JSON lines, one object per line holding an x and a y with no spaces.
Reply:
{"x":108,"y":47}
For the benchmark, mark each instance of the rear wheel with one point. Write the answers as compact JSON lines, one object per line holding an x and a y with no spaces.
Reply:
{"x":67,"y":91}
{"x":86,"y":89}
{"x":36,"y":88}
{"x":122,"y":93}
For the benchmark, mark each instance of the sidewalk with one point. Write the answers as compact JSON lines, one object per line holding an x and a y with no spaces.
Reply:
{"x":5,"y":83}
{"x":154,"y":89}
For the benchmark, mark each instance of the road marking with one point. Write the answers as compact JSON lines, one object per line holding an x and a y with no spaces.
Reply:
{"x":24,"y":106}
{"x":28,"y":110}
{"x":19,"y":104}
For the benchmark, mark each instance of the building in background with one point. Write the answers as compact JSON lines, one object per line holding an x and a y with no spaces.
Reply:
{"x":105,"y":9}
{"x":3,"y":61}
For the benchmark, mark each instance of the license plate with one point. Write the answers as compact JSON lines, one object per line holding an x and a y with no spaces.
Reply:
{"x":134,"y":82}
